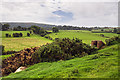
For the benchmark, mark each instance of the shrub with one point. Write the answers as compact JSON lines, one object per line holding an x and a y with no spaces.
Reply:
{"x":62,"y":49}
{"x":16,"y":35}
{"x":7,"y":35}
{"x":28,"y":34}
{"x":21,"y":34}
{"x":1,"y":49}
{"x":48,"y":37}
{"x":112,"y":41}
{"x":102,"y":35}
{"x":54,"y":29}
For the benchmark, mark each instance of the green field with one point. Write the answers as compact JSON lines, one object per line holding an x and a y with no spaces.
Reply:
{"x":19,"y":43}
{"x":101,"y":65}
{"x":85,"y":36}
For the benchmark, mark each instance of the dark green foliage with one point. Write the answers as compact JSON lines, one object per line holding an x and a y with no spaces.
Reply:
{"x":115,"y":30}
{"x":48,"y":37}
{"x":38,"y":30}
{"x":112,"y":41}
{"x":62,"y":49}
{"x":28,"y":34}
{"x":102,"y":35}
{"x":19,"y":28}
{"x":17,"y":34}
{"x":1,"y":49}
{"x":5,"y":27}
{"x":21,"y":34}
{"x":54,"y":29}
{"x":7,"y":35}
{"x":9,"y":52}
{"x":102,"y":29}
{"x":30,"y":31}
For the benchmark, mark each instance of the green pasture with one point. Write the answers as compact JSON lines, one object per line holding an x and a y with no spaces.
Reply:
{"x":11,"y":33}
{"x":19,"y":43}
{"x":101,"y":65}
{"x":107,"y":34}
{"x":85,"y":36}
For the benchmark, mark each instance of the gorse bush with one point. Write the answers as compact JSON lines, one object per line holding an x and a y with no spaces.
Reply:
{"x":62,"y":49}
{"x":112,"y":41}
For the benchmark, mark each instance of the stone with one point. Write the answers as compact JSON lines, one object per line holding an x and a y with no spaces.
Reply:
{"x":20,"y":69}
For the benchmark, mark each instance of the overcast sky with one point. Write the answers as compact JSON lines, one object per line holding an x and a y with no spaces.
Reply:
{"x":70,"y":12}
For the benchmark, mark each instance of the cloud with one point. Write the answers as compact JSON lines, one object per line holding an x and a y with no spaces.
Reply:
{"x":79,"y":12}
{"x":61,"y":0}
{"x":63,"y":16}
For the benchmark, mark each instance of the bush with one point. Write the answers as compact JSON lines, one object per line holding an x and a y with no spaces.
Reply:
{"x":16,"y":35}
{"x":1,"y":49}
{"x":7,"y":35}
{"x":48,"y":37}
{"x":112,"y":41}
{"x":62,"y":49}
{"x":21,"y":34}
{"x":102,"y":35}
{"x":54,"y":29}
{"x":9,"y":52}
{"x":28,"y":34}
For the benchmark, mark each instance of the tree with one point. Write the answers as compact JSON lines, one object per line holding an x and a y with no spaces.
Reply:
{"x":5,"y":27}
{"x":54,"y":29}
{"x":28,"y":34}
{"x":102,"y":29}
{"x":115,"y":30}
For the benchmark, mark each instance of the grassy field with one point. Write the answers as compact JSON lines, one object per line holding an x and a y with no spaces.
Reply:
{"x":36,"y":40}
{"x":101,"y":65}
{"x":107,"y":34}
{"x":20,"y":43}
{"x":86,"y":36}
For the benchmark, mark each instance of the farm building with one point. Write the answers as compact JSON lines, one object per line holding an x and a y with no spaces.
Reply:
{"x":98,"y":44}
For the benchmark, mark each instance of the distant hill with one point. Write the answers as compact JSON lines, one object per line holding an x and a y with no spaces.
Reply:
{"x":25,"y":24}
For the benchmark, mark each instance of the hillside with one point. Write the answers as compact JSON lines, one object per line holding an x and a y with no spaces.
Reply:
{"x":27,"y":24}
{"x":84,"y":35}
{"x":104,"y":64}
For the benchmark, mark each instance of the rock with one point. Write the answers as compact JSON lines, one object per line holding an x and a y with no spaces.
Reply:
{"x":20,"y":69}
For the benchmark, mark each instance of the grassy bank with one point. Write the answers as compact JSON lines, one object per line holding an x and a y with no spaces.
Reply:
{"x":101,"y":65}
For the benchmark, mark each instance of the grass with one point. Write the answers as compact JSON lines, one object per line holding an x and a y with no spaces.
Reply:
{"x":101,"y":65}
{"x":11,"y":33}
{"x":107,"y":34}
{"x":86,"y":36}
{"x":4,"y":56}
{"x":20,"y":43}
